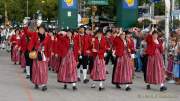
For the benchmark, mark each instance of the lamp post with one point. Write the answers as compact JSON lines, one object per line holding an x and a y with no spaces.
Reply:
{"x":167,"y":16}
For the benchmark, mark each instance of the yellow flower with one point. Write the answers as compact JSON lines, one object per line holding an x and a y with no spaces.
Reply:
{"x":69,"y":2}
{"x":130,"y":1}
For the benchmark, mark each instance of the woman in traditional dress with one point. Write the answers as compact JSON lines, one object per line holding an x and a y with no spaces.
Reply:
{"x":155,"y":66}
{"x":67,"y":72}
{"x":176,"y":69}
{"x":15,"y":39}
{"x":98,"y":72}
{"x":41,"y":45}
{"x":23,"y":48}
{"x":123,"y":70}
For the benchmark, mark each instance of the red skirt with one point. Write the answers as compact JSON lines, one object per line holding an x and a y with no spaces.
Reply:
{"x":51,"y":62}
{"x":23,"y":61}
{"x":170,"y":65}
{"x":68,"y":69}
{"x":40,"y":72}
{"x":98,"y":72}
{"x":57,"y":63}
{"x":123,"y":71}
{"x":15,"y":55}
{"x":155,"y":69}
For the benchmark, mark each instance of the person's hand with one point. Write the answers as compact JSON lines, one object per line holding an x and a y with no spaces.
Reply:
{"x":105,"y":54}
{"x":79,"y":51}
{"x":88,"y":51}
{"x":94,"y":50}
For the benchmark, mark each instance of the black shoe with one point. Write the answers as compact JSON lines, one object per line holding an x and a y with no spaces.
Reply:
{"x":128,"y":88}
{"x":107,"y":72}
{"x":36,"y":87}
{"x":86,"y":81}
{"x":118,"y":86}
{"x":44,"y":88}
{"x":27,"y":76}
{"x":163,"y":88}
{"x":79,"y":80}
{"x":15,"y":63}
{"x":148,"y":87}
{"x":49,"y":69}
{"x":74,"y":88}
{"x":65,"y":86}
{"x":93,"y":86}
{"x":101,"y":88}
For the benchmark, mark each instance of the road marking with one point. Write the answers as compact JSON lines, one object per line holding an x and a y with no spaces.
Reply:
{"x":25,"y":86}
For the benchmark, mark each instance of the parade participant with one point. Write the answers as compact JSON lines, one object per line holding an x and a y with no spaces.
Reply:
{"x":41,"y":44}
{"x":144,"y":57}
{"x":58,"y":50}
{"x":30,"y":29}
{"x":98,"y":72}
{"x":155,"y":67}
{"x":83,"y":53}
{"x":89,"y":37}
{"x":108,"y":55}
{"x":52,"y":50}
{"x":176,"y":69}
{"x":14,"y":43}
{"x":122,"y":73}
{"x":67,"y":72}
{"x":23,"y":48}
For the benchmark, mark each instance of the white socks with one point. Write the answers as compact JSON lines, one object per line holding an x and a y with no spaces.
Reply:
{"x":127,"y":86}
{"x":74,"y":84}
{"x":79,"y":72}
{"x":162,"y":84}
{"x":28,"y":70}
{"x":101,"y":84}
{"x":84,"y":73}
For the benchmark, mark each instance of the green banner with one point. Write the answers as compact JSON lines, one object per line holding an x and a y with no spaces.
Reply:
{"x":126,"y":17}
{"x":68,"y":11}
{"x":97,"y":2}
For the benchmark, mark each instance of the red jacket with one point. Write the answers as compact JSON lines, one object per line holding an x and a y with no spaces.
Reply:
{"x":119,"y":46}
{"x":152,"y":46}
{"x":84,"y":43}
{"x":131,"y":46}
{"x":109,"y":41}
{"x":14,"y":40}
{"x":23,"y":43}
{"x":100,"y":47}
{"x":52,"y":46}
{"x":33,"y":36}
{"x":65,"y":41}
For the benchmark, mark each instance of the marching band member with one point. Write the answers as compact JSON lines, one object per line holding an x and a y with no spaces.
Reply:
{"x":108,"y":55}
{"x":83,"y":43}
{"x":67,"y":72}
{"x":40,"y":42}
{"x":98,"y":72}
{"x":122,"y":73}
{"x":15,"y":42}
{"x":23,"y":48}
{"x":155,"y":66}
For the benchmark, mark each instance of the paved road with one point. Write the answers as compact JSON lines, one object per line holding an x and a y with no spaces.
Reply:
{"x":14,"y":87}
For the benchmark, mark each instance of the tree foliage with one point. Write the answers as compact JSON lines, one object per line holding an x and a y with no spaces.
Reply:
{"x":17,"y":9}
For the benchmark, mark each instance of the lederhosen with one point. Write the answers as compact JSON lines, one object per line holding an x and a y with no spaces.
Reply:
{"x":84,"y":60}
